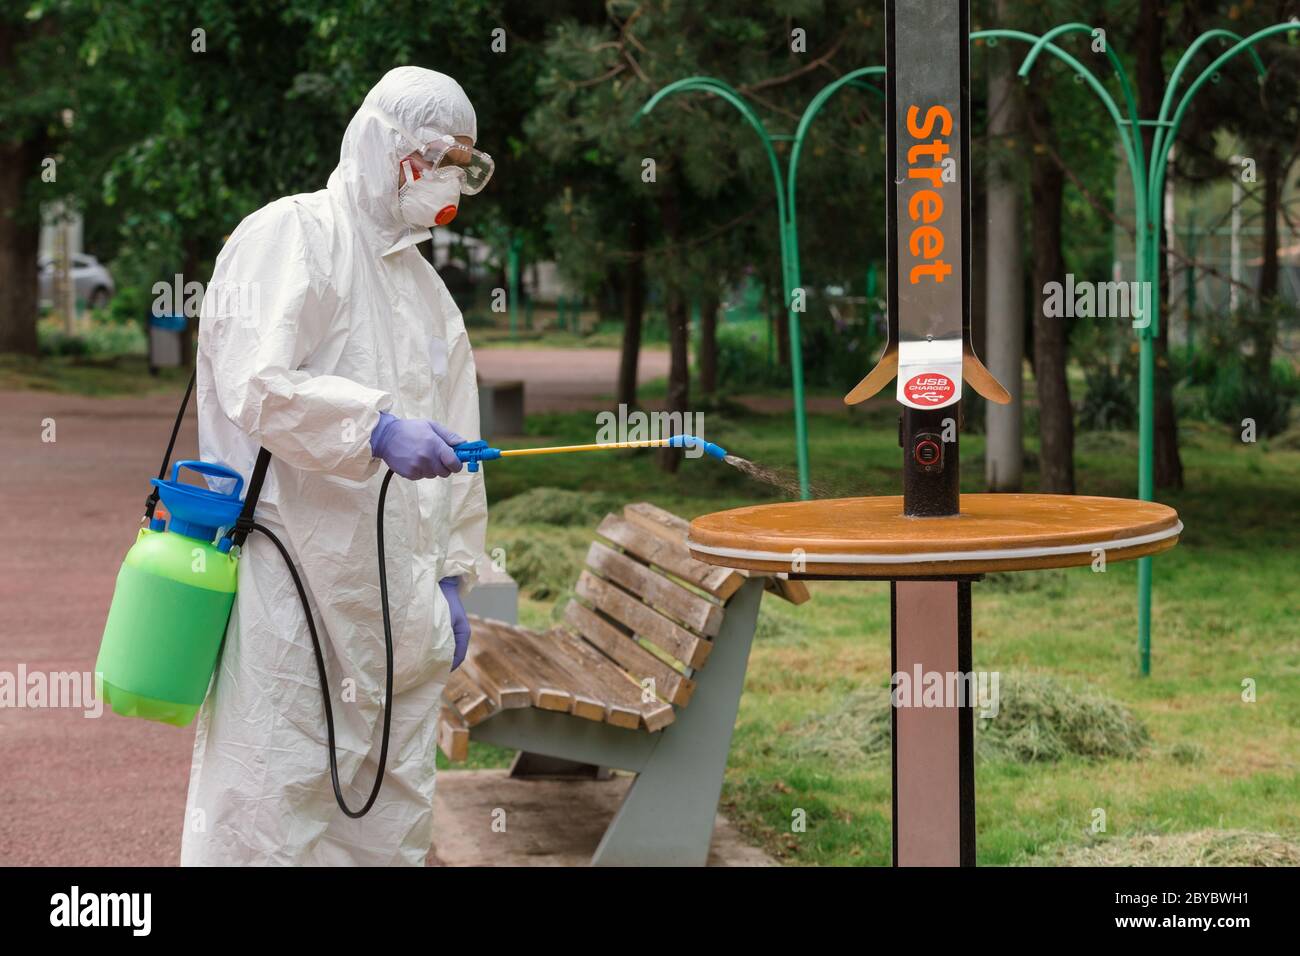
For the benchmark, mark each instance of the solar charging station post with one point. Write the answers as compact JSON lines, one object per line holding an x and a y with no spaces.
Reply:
{"x":928,"y":154}
{"x":930,"y":354}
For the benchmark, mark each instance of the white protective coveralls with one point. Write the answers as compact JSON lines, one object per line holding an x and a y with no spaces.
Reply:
{"x":321,"y":314}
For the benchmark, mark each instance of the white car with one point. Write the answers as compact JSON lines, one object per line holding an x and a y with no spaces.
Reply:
{"x":93,"y":282}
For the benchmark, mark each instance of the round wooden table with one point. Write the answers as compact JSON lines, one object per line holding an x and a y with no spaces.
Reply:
{"x":872,"y":538}
{"x":930,"y":564}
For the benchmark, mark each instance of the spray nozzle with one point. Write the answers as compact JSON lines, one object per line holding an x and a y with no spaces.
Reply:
{"x":689,"y":441}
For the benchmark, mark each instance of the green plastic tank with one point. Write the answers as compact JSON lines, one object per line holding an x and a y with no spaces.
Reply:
{"x":172,"y":603}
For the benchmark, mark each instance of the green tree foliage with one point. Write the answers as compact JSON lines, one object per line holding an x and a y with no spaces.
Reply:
{"x":707,"y":161}
{"x":188,"y":116}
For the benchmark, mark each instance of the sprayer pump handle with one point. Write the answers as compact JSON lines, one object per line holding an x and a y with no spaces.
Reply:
{"x":473,"y":452}
{"x":212,"y":470}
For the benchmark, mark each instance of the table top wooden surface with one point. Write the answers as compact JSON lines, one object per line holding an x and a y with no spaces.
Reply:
{"x":871,"y":537}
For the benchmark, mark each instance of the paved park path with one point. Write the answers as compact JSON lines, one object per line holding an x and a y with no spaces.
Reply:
{"x":80,"y":791}
{"x":565,"y":379}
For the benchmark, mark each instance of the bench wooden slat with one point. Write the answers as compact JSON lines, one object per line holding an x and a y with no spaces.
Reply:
{"x":600,"y":681}
{"x":646,"y":622}
{"x":699,"y":614}
{"x":468,"y":699}
{"x":546,"y":691}
{"x":596,"y":688}
{"x":671,"y":527}
{"x":657,"y":718}
{"x":453,"y":734}
{"x":622,"y":696}
{"x":796,"y":592}
{"x":501,"y":684}
{"x":530,"y":649}
{"x":662,"y":549}
{"x":640,"y":664}
{"x":621,"y":690}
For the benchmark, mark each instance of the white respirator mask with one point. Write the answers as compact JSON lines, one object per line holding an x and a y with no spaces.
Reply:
{"x":430,"y":198}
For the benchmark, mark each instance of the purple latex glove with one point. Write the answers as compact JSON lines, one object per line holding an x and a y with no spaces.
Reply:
{"x":459,"y":619}
{"x":415,"y":447}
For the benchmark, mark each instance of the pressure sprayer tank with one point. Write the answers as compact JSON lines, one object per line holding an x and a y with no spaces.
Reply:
{"x":173,"y":599}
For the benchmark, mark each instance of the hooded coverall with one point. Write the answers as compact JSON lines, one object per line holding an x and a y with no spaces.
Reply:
{"x":321,"y":314}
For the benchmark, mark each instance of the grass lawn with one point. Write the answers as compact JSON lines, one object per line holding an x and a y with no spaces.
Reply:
{"x":545,"y":332}
{"x":110,"y":376}
{"x":1227,"y":606}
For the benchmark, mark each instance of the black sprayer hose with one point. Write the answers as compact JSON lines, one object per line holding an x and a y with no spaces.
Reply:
{"x":320,"y":658}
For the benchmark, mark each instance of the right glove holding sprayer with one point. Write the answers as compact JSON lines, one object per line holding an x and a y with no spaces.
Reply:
{"x":415,"y":448}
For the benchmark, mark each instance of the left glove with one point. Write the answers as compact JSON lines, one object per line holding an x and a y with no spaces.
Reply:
{"x":459,"y":619}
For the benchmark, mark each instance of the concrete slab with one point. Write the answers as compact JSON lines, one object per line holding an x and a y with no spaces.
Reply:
{"x":546,"y":822}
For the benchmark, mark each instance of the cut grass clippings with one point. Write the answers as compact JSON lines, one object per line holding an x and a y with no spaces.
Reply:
{"x":556,"y":506}
{"x":1197,"y":848}
{"x":1037,"y":718}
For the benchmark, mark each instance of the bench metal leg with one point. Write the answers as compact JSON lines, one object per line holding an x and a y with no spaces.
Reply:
{"x":527,"y":764}
{"x":667,"y":816}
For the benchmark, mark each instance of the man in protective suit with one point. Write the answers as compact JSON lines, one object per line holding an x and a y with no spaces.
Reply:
{"x":329,"y":340}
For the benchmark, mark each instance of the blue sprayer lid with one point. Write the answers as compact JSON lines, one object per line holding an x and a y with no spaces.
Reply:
{"x":200,"y":512}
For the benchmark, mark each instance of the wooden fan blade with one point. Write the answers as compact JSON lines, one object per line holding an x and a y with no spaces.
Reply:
{"x":885,"y":371}
{"x":981,"y":379}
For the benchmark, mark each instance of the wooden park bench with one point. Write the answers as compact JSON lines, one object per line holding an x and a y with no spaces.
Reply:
{"x":644,"y":675}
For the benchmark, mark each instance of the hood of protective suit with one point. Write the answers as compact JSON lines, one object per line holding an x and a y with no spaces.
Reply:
{"x":406,"y":110}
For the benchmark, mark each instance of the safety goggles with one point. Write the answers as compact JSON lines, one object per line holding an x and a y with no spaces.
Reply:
{"x":446,"y":153}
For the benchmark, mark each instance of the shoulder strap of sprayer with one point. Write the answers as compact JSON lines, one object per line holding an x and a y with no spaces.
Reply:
{"x":245,"y":523}
{"x":151,"y":502}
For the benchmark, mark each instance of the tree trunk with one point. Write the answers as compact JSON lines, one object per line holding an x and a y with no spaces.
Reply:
{"x":1271,"y":167}
{"x":709,"y":344}
{"x":20,"y":230}
{"x":1150,"y":42}
{"x":1269,"y":273}
{"x":633,"y":312}
{"x":1055,"y":414}
{"x":677,"y":318}
{"x":780,"y":319}
{"x":1004,"y":457}
{"x":611,"y":291}
{"x":679,"y":375}
{"x":20,"y":238}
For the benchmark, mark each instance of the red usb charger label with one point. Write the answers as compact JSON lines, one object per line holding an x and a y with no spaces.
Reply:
{"x":929,"y":388}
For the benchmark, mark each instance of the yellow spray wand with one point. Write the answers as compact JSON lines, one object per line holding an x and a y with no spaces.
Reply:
{"x":474,"y":452}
